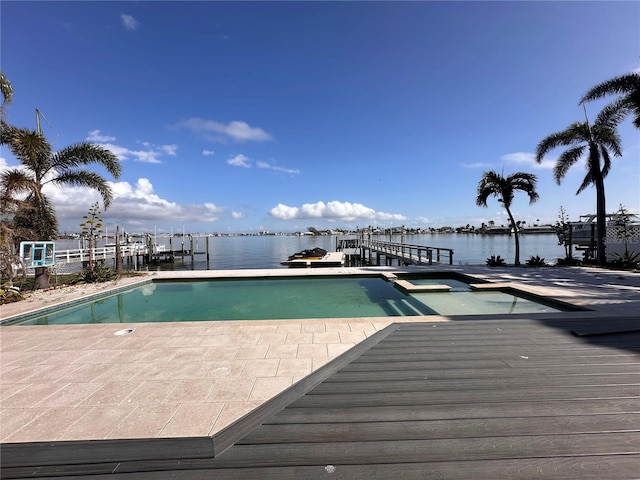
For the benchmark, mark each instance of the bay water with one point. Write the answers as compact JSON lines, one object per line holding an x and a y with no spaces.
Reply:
{"x":267,"y":251}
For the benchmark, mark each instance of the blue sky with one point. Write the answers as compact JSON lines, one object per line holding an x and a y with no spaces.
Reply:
{"x":278,"y":116}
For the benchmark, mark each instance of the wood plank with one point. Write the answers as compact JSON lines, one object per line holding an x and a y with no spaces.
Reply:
{"x":612,"y":326}
{"x":550,"y":468}
{"x":621,"y":339}
{"x":473,"y":396}
{"x":623,"y":363}
{"x":533,"y":448}
{"x":398,"y":413}
{"x":97,"y":451}
{"x":345,"y":453}
{"x":427,"y":384}
{"x":457,"y":354}
{"x":490,"y":364}
{"x":413,"y":372}
{"x":450,"y":428}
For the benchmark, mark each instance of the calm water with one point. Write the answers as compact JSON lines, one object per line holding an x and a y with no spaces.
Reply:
{"x":244,"y":252}
{"x":261,"y":299}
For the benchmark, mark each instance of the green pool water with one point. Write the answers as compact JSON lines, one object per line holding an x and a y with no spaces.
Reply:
{"x":257,"y":299}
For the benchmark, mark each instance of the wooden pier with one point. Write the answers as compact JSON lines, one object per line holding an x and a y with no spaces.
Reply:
{"x":371,"y":251}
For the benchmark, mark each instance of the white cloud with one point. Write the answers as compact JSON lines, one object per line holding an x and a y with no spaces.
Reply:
{"x":208,"y":153}
{"x":331,"y":210}
{"x":237,"y":215}
{"x":268,"y":166}
{"x":133,"y":205}
{"x":151,"y":153}
{"x":239,"y":161}
{"x":522,"y":159}
{"x":129,"y":22}
{"x":215,"y":131}
{"x":478,"y":165}
{"x":528,"y":160}
{"x":169,"y":149}
{"x":96,"y":136}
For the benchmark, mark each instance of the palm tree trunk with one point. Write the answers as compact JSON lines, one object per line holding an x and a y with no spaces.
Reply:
{"x":601,"y":222}
{"x":119,"y":267}
{"x":41,"y":280}
{"x":515,"y":236}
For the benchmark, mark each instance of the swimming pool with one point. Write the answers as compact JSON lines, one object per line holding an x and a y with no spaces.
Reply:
{"x":284,"y":298}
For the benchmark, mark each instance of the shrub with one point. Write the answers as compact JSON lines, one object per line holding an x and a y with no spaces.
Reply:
{"x":536,"y":261}
{"x":9,"y":294}
{"x":568,"y":261}
{"x":495,"y":261}
{"x":99,"y":273}
{"x":626,"y":261}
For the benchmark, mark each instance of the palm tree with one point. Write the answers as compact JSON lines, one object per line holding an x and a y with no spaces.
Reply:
{"x":40,"y":166}
{"x":598,"y":140}
{"x":494,"y":184}
{"x":627,"y":86}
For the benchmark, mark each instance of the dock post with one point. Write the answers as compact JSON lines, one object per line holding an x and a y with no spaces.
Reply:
{"x":207,"y":248}
{"x":192,"y":251}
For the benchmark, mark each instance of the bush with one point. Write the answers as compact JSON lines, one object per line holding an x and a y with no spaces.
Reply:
{"x":495,"y":261}
{"x":627,"y":261}
{"x":9,"y":294}
{"x":568,"y":262}
{"x":535,"y":261}
{"x":100,"y":273}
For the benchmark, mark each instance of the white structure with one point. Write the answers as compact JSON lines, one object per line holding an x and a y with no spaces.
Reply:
{"x":623,"y":234}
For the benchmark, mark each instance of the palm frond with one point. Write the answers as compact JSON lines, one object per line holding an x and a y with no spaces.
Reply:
{"x":16,"y":182}
{"x":494,"y":184}
{"x":587,"y":181}
{"x":31,"y":149}
{"x":6,"y":89}
{"x":565,"y":161}
{"x":573,"y":134}
{"x":85,"y":153}
{"x":606,"y":161}
{"x":623,"y":84}
{"x":524,"y":182}
{"x":85,"y":178}
{"x":37,"y":215}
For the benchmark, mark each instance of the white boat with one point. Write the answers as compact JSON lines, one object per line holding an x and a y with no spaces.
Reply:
{"x":623,"y":234}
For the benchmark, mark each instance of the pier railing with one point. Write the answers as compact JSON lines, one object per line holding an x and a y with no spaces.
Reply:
{"x":404,"y":252}
{"x":100,"y":253}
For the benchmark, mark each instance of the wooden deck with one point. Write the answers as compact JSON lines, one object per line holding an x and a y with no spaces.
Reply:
{"x":474,"y":399}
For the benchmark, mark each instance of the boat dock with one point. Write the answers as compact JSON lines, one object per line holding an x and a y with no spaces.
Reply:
{"x":371,"y":251}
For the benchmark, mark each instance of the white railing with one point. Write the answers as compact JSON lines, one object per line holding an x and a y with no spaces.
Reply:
{"x":99,"y":253}
{"x":416,"y":254}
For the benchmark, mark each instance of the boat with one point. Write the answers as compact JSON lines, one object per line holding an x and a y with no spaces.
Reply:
{"x":316,"y":257}
{"x":538,"y":230}
{"x":623,"y":234}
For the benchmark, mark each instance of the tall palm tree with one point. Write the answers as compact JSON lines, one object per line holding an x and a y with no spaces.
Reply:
{"x":627,"y":86}
{"x":504,"y":188}
{"x":597,"y":140}
{"x":40,"y":166}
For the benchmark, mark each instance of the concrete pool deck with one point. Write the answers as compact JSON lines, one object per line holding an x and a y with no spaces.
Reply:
{"x":82,"y":382}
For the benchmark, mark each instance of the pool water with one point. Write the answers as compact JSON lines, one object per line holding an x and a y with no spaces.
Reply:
{"x":299,"y":298}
